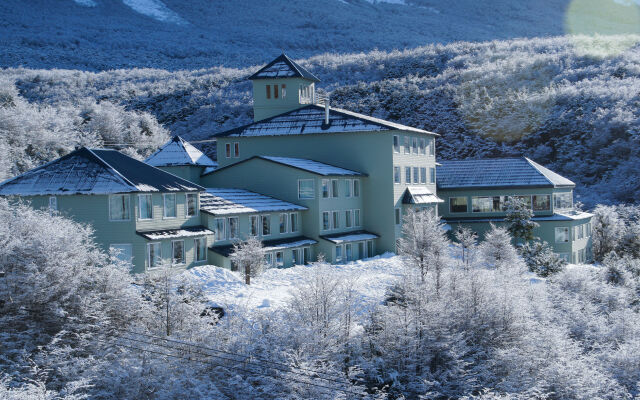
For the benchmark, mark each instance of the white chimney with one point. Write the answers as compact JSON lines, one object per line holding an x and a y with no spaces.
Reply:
{"x":326,"y":110}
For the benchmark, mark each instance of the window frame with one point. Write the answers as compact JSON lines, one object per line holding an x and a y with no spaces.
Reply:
{"x":149,"y":263}
{"x":217,"y":236}
{"x":348,"y":188}
{"x":294,"y":216}
{"x":533,"y":202}
{"x":339,"y":258}
{"x":357,"y":222}
{"x":275,"y":259}
{"x":283,"y":90}
{"x":123,"y":195}
{"x":416,"y":175}
{"x":263,"y":218}
{"x":254,"y":232}
{"x":407,"y":145}
{"x":325,"y":185}
{"x":196,"y":249}
{"x":268,"y":91}
{"x":164,"y":205}
{"x":227,"y":148}
{"x":432,"y":175}
{"x":407,"y":175}
{"x":348,"y":218}
{"x":327,"y":226}
{"x":236,"y":226}
{"x":397,"y":216}
{"x":236,"y":149}
{"x":432,"y":147}
{"x":283,"y":218}
{"x":140,"y":197}
{"x":414,"y":145}
{"x":397,"y":175}
{"x":335,"y":219}
{"x":423,"y":146}
{"x":186,"y":205}
{"x":396,"y":144}
{"x":356,"y":187}
{"x":313,"y":189}
{"x":335,"y":188}
{"x":53,"y":204}
{"x":466,"y":204}
{"x":567,"y":231}
{"x":173,"y":253}
{"x":296,"y":256}
{"x":481,"y":201}
{"x":423,"y":175}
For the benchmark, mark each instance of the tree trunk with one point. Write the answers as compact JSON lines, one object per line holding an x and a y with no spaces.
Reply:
{"x":247,"y":274}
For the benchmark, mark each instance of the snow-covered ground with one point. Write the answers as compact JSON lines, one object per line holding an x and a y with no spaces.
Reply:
{"x":273,"y":288}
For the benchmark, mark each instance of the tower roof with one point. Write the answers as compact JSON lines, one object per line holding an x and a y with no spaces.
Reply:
{"x":283,"y":67}
{"x":179,"y":152}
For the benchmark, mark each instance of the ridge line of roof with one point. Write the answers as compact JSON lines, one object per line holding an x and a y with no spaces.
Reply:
{"x":127,"y":181}
{"x":308,"y":159}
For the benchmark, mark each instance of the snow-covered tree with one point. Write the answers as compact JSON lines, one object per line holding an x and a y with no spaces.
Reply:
{"x":467,"y":241}
{"x":608,"y":229}
{"x":497,"y":250}
{"x":518,"y":217}
{"x":541,"y":259}
{"x":248,"y":257}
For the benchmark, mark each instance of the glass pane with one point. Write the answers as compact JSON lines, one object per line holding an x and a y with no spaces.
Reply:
{"x":334,"y":188}
{"x":356,"y":188}
{"x":325,"y":221}
{"x":192,"y":208}
{"x":294,"y":222}
{"x":356,"y":218}
{"x":266,"y":225}
{"x":154,"y":254}
{"x":347,"y":218}
{"x":347,"y":187}
{"x":325,"y":188}
{"x":458,"y":204}
{"x":283,"y":223}
{"x":542,"y":202}
{"x":482,"y":204}
{"x":305,"y":189}
{"x":170,"y":205}
{"x":233,"y":227}
{"x":178,"y":252}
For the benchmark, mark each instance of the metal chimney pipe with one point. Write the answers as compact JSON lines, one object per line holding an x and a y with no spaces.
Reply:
{"x":326,"y":110}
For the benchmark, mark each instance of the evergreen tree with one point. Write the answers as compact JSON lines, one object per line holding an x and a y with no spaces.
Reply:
{"x":248,"y":256}
{"x":518,"y":218}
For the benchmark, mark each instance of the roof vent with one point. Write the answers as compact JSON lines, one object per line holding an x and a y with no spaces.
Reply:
{"x":326,"y":110}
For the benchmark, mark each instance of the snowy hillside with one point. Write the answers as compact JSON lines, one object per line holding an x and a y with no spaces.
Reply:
{"x":177,"y":34}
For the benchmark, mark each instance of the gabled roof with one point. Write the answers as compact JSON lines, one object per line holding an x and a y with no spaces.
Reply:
{"x":94,"y":171}
{"x":419,"y":195}
{"x":310,"y":120}
{"x":497,"y":173}
{"x":283,"y":67}
{"x":179,"y":152}
{"x":312,"y":166}
{"x":223,"y":201}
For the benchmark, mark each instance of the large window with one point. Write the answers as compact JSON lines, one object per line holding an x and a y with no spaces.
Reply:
{"x":192,"y":204}
{"x":154,"y":255}
{"x":169,"y":205}
{"x":177,"y":252}
{"x":407,"y":174}
{"x":200,"y":245}
{"x":266,"y":225}
{"x":396,"y":174}
{"x":348,"y":221}
{"x":541,"y":202}
{"x":481,"y":204}
{"x":562,"y":235}
{"x":232,"y":224}
{"x":335,"y":184}
{"x":326,"y":225}
{"x":119,"y":208}
{"x":293,"y":222}
{"x":326,"y":188}
{"x":145,"y":206}
{"x":283,"y":223}
{"x":458,"y":204}
{"x":253,"y":225}
{"x":220,"y":229}
{"x":563,"y":201}
{"x":396,"y":144}
{"x":305,"y":189}
{"x":498,"y":203}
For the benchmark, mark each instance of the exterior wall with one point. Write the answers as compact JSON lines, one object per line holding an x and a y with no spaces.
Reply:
{"x":265,"y":108}
{"x":190,"y":173}
{"x":94,"y":210}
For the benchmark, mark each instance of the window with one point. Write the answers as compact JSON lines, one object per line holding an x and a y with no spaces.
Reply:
{"x":119,"y":207}
{"x":305,"y":189}
{"x":347,"y":187}
{"x":305,"y":255}
{"x":232,"y":224}
{"x":253,"y":225}
{"x":398,"y":214}
{"x":498,"y":203}
{"x":562,"y":201}
{"x":177,"y":252}
{"x":268,"y":260}
{"x":169,"y":205}
{"x":525,"y":199}
{"x":416,"y":175}
{"x":396,"y":174}
{"x":293,"y":222}
{"x":396,"y":144}
{"x":338,"y":253}
{"x":541,"y":202}
{"x":562,"y":235}
{"x":279,"y":259}
{"x":348,"y":249}
{"x":325,"y":221}
{"x":482,"y":204}
{"x":407,"y":145}
{"x":284,"y":90}
{"x":580,"y":231}
{"x":124,"y":253}
{"x":336,"y":220}
{"x":432,"y":175}
{"x":326,"y":189}
{"x":268,"y":91}
{"x":588,"y":229}
{"x":227,"y":148}
{"x":565,"y":256}
{"x":361,"y":251}
{"x":220,"y":232}
{"x":145,"y":206}
{"x":356,"y":218}
{"x":192,"y":204}
{"x":200,"y":245}
{"x":423,"y":146}
{"x":423,"y":175}
{"x":283,"y":223}
{"x":297,"y":260}
{"x":236,"y":149}
{"x":407,"y":174}
{"x":154,"y":255}
{"x":356,"y":188}
{"x":414,"y":146}
{"x":348,"y":222}
{"x":275,"y":91}
{"x":369,"y":248}
{"x":266,"y":225}
{"x":53,"y":203}
{"x":432,"y":147}
{"x":458,"y":204}
{"x":334,"y":188}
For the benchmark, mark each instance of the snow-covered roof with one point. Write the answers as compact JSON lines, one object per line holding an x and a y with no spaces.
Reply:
{"x":94,"y":171}
{"x":497,"y":173}
{"x":345,"y":237}
{"x":312,"y":166}
{"x":310,"y":120}
{"x":270,"y":245}
{"x":176,"y":233}
{"x":420,"y":195}
{"x":558,"y":216}
{"x":178,"y":152}
{"x":224,"y":201}
{"x":283,"y":67}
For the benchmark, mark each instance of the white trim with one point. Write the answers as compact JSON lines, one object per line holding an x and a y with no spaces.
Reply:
{"x":164,"y":205}
{"x":140,"y":196}
{"x":349,"y":220}
{"x":353,"y":191}
{"x":236,"y":149}
{"x":109,"y":205}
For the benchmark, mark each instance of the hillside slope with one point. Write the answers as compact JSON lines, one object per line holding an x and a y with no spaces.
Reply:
{"x":544,"y":98}
{"x":176,"y":34}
